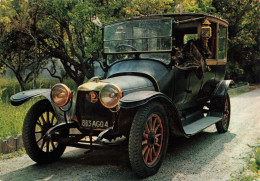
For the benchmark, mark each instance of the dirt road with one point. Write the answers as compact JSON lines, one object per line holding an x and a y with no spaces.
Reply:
{"x":206,"y":156}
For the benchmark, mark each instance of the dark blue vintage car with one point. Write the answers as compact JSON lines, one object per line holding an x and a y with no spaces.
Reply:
{"x":163,"y":76}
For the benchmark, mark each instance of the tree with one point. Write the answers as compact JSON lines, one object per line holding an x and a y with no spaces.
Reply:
{"x":148,"y":7}
{"x":19,"y":50}
{"x":243,"y":17}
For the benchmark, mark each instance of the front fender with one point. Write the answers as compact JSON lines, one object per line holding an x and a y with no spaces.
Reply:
{"x":140,"y":98}
{"x":22,"y":97}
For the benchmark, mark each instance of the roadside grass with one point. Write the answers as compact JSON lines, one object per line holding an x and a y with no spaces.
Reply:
{"x":11,"y":118}
{"x":242,"y":91}
{"x":18,"y":153}
{"x":251,"y":172}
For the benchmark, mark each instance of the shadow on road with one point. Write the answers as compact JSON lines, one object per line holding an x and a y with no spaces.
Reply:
{"x":184,"y":156}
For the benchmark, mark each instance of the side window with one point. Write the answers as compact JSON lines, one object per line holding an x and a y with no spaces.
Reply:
{"x":222,"y":40}
{"x":212,"y":41}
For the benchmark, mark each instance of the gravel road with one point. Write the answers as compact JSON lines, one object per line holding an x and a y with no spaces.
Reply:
{"x":205,"y":156}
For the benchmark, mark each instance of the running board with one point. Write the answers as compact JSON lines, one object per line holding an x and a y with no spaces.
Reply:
{"x":200,"y":125}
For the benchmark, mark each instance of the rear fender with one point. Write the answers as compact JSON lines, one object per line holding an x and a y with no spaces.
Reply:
{"x":222,"y":88}
{"x":22,"y":97}
{"x":218,"y":98}
{"x":137,"y":99}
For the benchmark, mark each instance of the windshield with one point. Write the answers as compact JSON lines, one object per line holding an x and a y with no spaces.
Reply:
{"x":138,"y":35}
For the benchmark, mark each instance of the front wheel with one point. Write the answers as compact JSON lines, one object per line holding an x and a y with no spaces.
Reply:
{"x":148,"y":139}
{"x":222,"y":126}
{"x":39,"y":119}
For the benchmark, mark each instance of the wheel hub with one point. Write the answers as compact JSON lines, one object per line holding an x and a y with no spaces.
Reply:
{"x":151,"y":139}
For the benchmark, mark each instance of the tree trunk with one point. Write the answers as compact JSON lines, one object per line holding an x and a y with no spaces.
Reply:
{"x":21,"y":82}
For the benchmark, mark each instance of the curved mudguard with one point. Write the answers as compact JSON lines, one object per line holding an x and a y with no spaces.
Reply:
{"x":22,"y":97}
{"x":140,"y":98}
{"x":218,"y":98}
{"x":222,"y":88}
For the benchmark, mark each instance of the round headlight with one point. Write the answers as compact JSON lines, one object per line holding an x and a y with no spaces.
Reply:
{"x":110,"y":95}
{"x":60,"y":94}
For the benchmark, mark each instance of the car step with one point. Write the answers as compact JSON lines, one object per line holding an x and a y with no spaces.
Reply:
{"x":200,"y":124}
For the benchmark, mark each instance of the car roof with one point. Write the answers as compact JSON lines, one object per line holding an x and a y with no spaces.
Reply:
{"x":178,"y":17}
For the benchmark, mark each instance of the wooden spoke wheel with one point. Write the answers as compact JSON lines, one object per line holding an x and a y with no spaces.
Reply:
{"x":152,"y":139}
{"x":148,"y":139}
{"x":223,"y":125}
{"x":46,"y":121}
{"x":39,"y":119}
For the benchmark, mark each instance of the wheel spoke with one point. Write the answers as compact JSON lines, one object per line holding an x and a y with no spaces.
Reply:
{"x":145,"y":142}
{"x":154,"y":152}
{"x":56,"y":123}
{"x":38,"y":132}
{"x":150,"y":123}
{"x":150,"y":154}
{"x":52,"y":119}
{"x":145,"y":135}
{"x":52,"y":144}
{"x":155,"y":130}
{"x":147,"y":129}
{"x":144,"y":149}
{"x":43,"y":120}
{"x":154,"y":122}
{"x":48,"y":117}
{"x":39,"y":123}
{"x":43,"y":142}
{"x":39,"y":139}
{"x":146,"y":155}
{"x":156,"y":144}
{"x":157,"y":135}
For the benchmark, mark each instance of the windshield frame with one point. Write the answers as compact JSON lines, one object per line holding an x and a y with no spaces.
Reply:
{"x":137,"y":53}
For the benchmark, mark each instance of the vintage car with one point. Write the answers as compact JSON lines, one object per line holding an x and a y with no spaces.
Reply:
{"x":163,"y":76}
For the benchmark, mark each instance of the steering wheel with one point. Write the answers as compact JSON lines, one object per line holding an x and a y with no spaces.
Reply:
{"x":125,"y":45}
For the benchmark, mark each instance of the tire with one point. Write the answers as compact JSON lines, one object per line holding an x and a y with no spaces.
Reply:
{"x":148,"y":139}
{"x":222,"y":126}
{"x":39,"y":119}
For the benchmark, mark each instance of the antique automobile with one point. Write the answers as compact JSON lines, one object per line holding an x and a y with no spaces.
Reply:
{"x":163,"y":76}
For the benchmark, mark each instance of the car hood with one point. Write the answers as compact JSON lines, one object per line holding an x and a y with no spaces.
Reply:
{"x":131,"y":83}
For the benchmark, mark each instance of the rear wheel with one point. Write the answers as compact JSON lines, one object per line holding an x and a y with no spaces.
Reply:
{"x":39,"y":119}
{"x":222,"y":126}
{"x":148,"y":139}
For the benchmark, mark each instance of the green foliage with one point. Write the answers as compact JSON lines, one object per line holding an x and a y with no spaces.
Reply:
{"x":18,"y":153}
{"x":11,"y":119}
{"x":195,"y":6}
{"x":252,"y":170}
{"x":63,"y":30}
{"x":243,"y":17}
{"x":234,"y":71}
{"x":147,"y":7}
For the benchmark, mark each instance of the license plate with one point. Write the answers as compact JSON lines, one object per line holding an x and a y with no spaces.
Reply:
{"x":94,"y":124}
